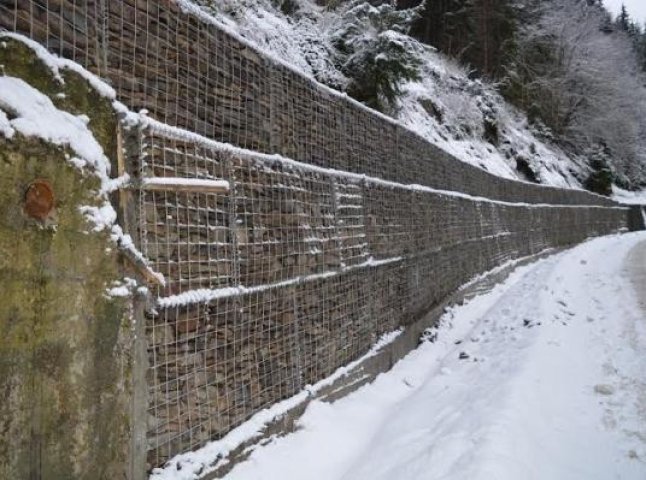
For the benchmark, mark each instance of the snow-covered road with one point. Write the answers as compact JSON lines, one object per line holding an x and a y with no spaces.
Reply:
{"x":544,"y":377}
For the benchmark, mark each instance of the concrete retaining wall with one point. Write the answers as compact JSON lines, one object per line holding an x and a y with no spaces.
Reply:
{"x":66,"y":348}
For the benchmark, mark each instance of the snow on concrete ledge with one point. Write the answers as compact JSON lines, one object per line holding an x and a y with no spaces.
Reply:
{"x":33,"y":114}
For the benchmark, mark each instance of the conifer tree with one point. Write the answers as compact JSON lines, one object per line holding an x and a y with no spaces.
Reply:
{"x":623,"y":21}
{"x":641,"y":49}
{"x":480,"y":33}
{"x":374,"y":51}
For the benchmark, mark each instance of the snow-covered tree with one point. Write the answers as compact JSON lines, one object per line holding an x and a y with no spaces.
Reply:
{"x":583,"y":82}
{"x":374,"y":52}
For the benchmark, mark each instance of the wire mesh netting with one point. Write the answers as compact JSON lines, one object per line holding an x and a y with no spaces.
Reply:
{"x":306,"y":259}
{"x":297,"y":271}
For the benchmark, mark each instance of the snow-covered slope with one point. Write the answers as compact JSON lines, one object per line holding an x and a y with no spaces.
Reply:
{"x":445,"y":105}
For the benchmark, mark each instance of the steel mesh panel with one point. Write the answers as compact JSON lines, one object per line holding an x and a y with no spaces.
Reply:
{"x":285,"y":222}
{"x":305,"y":120}
{"x":335,"y":324}
{"x":388,"y":297}
{"x":72,"y":29}
{"x":388,"y":221}
{"x":186,"y":236}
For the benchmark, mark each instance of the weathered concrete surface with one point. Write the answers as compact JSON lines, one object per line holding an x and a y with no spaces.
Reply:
{"x":636,"y":219}
{"x":636,"y":266}
{"x":65,"y":346}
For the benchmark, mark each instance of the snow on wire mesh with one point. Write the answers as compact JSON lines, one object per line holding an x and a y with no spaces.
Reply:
{"x":285,"y":253}
{"x":296,"y":271}
{"x":294,"y":265}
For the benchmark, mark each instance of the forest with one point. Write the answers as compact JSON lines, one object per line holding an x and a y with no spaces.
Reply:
{"x":573,"y":68}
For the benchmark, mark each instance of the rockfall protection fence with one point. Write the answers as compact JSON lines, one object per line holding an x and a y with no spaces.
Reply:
{"x":280,"y":268}
{"x":296,"y":271}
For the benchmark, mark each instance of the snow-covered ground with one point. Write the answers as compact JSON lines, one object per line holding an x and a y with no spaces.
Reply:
{"x":628,"y":197}
{"x":543,"y":377}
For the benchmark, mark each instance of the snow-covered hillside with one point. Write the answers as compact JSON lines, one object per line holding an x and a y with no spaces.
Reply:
{"x":444,"y":105}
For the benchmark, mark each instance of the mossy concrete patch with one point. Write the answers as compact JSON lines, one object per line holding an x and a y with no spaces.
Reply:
{"x":74,"y":94}
{"x":65,"y":346}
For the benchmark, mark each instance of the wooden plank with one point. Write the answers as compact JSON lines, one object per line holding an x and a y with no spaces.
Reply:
{"x":191,"y":185}
{"x":140,"y":265}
